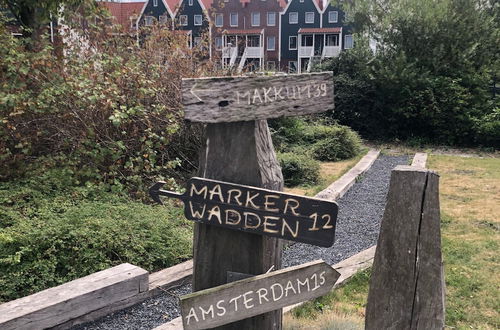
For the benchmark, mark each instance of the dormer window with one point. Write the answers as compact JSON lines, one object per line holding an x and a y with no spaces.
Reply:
{"x":183,"y":20}
{"x":198,"y":19}
{"x":293,"y":18}
{"x":163,"y":19}
{"x":155,"y":3}
{"x":190,"y":2}
{"x":148,"y":20}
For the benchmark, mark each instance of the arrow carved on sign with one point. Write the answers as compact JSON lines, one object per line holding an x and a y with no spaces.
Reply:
{"x":256,"y":210}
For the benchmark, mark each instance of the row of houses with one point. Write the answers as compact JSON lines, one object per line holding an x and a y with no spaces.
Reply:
{"x":248,"y":34}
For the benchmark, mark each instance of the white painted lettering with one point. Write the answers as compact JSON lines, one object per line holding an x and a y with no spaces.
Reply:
{"x":197,"y":213}
{"x":322,"y":278}
{"x":214,"y":212}
{"x":256,"y":95}
{"x":299,"y":283}
{"x":237,"y":195}
{"x":275,"y":297}
{"x":243,"y":95}
{"x":288,"y":203}
{"x":268,"y":204}
{"x":235,"y":299}
{"x":246,"y":301}
{"x":216,"y":190}
{"x":267,"y":99}
{"x":222,"y":309}
{"x":286,"y":225}
{"x":250,"y":200}
{"x":250,"y":218}
{"x":234,"y":218}
{"x":277,"y":94}
{"x":289,"y":286}
{"x":268,"y":224}
{"x":194,"y":190}
{"x":315,"y":278}
{"x":262,"y":295}
{"x":192,"y":313}
{"x":210,"y":311}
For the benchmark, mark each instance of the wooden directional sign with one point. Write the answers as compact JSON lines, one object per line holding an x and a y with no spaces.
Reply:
{"x":256,"y":295}
{"x":228,"y":99}
{"x":257,"y":210}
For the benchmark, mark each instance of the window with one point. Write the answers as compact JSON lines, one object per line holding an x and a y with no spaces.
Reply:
{"x":333,"y":16}
{"x":197,"y":41}
{"x":155,"y":3}
{"x":292,"y":67}
{"x":348,"y":42}
{"x":293,"y":18}
{"x":271,"y":43}
{"x":218,"y":42}
{"x":253,"y":41}
{"x":292,"y":42}
{"x":198,"y":19}
{"x":233,"y":18}
{"x":309,"y":17}
{"x":332,"y":40}
{"x":271,"y":19}
{"x":307,"y":40}
{"x":255,"y":19}
{"x":219,"y":20}
{"x":301,"y":1}
{"x":183,"y":20}
{"x":163,"y":19}
{"x":148,"y":20}
{"x":271,"y":65}
{"x":190,"y":2}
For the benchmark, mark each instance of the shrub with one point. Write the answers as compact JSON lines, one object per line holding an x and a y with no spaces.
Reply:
{"x":334,"y":143}
{"x":52,"y":232}
{"x":298,"y":168}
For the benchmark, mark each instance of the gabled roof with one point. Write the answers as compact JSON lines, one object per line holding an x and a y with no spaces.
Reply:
{"x":176,"y":4}
{"x":122,"y":11}
{"x":317,"y":3}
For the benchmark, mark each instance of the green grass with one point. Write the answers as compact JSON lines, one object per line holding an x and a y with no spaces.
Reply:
{"x":470,"y":205}
{"x":52,"y":231}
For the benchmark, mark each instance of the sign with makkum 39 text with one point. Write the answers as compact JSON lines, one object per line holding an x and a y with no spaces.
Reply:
{"x":244,"y":98}
{"x":256,"y":210}
{"x":256,"y":295}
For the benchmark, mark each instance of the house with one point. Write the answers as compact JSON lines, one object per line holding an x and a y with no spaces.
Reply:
{"x":338,"y":33}
{"x":191,"y":17}
{"x":246,"y":33}
{"x":156,"y":12}
{"x":124,"y":13}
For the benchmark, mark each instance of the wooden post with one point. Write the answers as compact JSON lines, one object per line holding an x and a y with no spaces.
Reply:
{"x":407,"y":287}
{"x":239,"y":152}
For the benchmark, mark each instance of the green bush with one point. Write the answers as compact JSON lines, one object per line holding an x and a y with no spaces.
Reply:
{"x":52,"y":231}
{"x":334,"y":143}
{"x":298,"y":168}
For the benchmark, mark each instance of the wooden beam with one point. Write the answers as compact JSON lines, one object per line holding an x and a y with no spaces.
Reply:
{"x":406,"y":286}
{"x":65,"y":302}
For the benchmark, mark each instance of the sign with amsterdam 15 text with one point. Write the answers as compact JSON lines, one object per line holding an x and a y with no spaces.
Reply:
{"x":256,"y":210}
{"x":229,"y":99}
{"x":256,"y":295}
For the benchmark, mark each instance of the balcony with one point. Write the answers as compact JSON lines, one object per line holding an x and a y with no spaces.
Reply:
{"x":331,"y":51}
{"x":306,"y":51}
{"x":254,"y":52}
{"x":228,"y":52}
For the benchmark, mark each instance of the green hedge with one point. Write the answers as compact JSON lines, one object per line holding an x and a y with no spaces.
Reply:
{"x":298,"y":168}
{"x":52,"y":232}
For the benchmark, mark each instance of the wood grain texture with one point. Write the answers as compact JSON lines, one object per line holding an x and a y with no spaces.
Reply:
{"x":406,"y":287}
{"x":243,"y":98}
{"x":242,"y":153}
{"x":256,"y":295}
{"x":57,"y":305}
{"x":419,"y":160}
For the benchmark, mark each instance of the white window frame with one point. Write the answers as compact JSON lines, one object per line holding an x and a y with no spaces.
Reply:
{"x":296,"y":42}
{"x":296,"y":66}
{"x":200,"y":18}
{"x":257,"y":15}
{"x":348,"y":36}
{"x":218,"y":47}
{"x":197,"y":41}
{"x":273,"y":14}
{"x":163,"y":19}
{"x":231,"y":15}
{"x":149,"y":20}
{"x":155,"y":3}
{"x":190,"y":2}
{"x":221,"y":19}
{"x":309,"y":13}
{"x":333,"y":19}
{"x":296,"y":21}
{"x":335,"y":37}
{"x":274,"y":43}
{"x":183,"y":20}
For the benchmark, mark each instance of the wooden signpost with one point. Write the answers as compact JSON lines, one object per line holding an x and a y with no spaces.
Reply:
{"x":256,"y":295}
{"x":238,"y":148}
{"x":256,"y":210}
{"x":229,"y":99}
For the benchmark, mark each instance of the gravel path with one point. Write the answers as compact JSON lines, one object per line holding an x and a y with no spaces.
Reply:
{"x":360,"y":212}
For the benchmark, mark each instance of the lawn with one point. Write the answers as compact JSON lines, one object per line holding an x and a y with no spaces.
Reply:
{"x":470,"y":205}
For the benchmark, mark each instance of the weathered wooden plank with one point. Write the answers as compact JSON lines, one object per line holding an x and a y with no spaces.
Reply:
{"x":406,"y":288}
{"x":57,"y":305}
{"x":239,"y":152}
{"x":256,"y":295}
{"x":257,"y":210}
{"x":244,"y":98}
{"x":419,"y":160}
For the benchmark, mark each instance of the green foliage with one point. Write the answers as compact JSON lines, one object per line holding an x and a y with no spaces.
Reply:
{"x":110,"y":106}
{"x":298,"y":168}
{"x":334,"y":143}
{"x":52,"y":231}
{"x":430,"y":77}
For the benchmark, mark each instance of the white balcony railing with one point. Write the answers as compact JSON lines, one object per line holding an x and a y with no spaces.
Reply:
{"x":227,"y":52}
{"x":306,"y":51}
{"x":254,"y":52}
{"x":331,"y":51}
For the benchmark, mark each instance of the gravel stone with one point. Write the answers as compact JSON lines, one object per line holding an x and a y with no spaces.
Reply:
{"x":358,"y":224}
